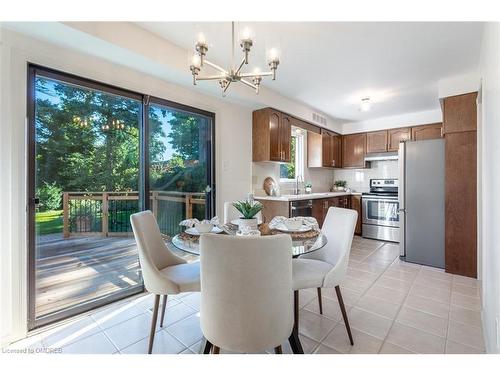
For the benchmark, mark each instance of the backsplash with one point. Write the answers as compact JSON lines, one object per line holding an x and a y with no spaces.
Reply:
{"x":321,"y":179}
{"x":359,"y":179}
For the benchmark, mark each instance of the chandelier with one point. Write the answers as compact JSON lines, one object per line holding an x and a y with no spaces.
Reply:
{"x":233,"y":74}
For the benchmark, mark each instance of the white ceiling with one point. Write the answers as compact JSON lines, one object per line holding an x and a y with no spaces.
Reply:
{"x":330,"y":66}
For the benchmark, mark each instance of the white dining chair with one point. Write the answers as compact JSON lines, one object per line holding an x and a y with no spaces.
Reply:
{"x":163,"y":272}
{"x":327,"y":267}
{"x":246,"y":292}
{"x":231,"y":213}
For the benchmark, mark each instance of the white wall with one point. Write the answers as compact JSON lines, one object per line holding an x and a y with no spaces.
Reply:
{"x":457,"y":85}
{"x":490,"y":77}
{"x":390,"y":122}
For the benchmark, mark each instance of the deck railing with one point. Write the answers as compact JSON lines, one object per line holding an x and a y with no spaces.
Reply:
{"x":108,"y":213}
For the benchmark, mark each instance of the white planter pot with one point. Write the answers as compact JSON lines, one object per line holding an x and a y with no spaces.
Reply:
{"x":252,"y":223}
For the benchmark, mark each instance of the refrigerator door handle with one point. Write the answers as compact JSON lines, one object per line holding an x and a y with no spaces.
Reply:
{"x":401,"y":197}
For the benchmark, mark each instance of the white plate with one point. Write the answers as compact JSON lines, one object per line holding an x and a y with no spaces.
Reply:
{"x":304,"y":228}
{"x":194,"y":232}
{"x":237,"y":222}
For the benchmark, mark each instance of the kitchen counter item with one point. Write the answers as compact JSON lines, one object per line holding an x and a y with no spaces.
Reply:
{"x":270,"y":186}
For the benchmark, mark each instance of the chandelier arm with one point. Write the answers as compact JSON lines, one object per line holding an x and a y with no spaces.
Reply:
{"x":251,"y":75}
{"x":248,"y":84}
{"x":241,"y":66}
{"x":225,"y":88}
{"x":212,"y":77}
{"x":215,"y":66}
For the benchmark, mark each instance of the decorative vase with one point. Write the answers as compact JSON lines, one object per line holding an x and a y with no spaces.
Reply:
{"x":252,"y":223}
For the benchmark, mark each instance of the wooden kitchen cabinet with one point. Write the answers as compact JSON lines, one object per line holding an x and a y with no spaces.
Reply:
{"x":459,"y":125}
{"x":332,"y":149}
{"x":319,"y":210}
{"x":342,"y":202}
{"x":394,"y":136}
{"x":354,"y":150}
{"x":430,"y":131}
{"x":376,"y":141}
{"x":324,"y":150}
{"x":460,"y":113}
{"x":460,"y":204}
{"x":356,"y":205}
{"x":271,"y":134}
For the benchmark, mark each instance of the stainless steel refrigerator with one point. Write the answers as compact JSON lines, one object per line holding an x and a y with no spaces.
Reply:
{"x":421,"y":201}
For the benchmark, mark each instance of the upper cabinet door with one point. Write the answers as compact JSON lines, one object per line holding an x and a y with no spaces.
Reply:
{"x":354,"y":150}
{"x":430,"y":131}
{"x":460,"y":113}
{"x":395,"y":136}
{"x":314,"y":150}
{"x":376,"y":141}
{"x":326,"y":153}
{"x":286,"y":135}
{"x":336,"y":141}
{"x":275,"y":137}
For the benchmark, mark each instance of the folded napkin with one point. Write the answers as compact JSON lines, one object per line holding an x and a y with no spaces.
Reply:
{"x":192,"y":222}
{"x":246,"y":231}
{"x":306,"y":220}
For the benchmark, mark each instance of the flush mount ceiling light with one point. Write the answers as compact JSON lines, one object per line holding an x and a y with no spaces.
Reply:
{"x":365,"y":105}
{"x":233,"y":74}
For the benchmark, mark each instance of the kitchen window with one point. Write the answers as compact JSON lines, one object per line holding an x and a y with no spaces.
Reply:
{"x":289,"y":171}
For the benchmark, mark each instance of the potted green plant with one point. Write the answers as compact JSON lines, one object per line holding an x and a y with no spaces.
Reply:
{"x":308,"y":186}
{"x":248,"y":210}
{"x":340,"y":185}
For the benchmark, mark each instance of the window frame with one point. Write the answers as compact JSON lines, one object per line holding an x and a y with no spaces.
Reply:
{"x":299,"y":158}
{"x":34,"y":70}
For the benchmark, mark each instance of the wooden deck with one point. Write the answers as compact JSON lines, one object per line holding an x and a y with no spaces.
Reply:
{"x":74,"y":270}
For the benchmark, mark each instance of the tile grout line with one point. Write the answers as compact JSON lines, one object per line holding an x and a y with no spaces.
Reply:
{"x":397,"y":313}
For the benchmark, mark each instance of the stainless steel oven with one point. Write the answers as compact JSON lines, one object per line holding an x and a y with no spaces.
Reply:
{"x":380,"y":211}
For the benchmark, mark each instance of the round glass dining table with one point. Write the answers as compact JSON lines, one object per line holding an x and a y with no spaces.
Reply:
{"x":299,"y":246}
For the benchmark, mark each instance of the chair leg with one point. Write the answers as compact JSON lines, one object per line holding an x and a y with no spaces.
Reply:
{"x":163,"y":307}
{"x":216,"y":350}
{"x":344,"y":313}
{"x":278,"y":350}
{"x":320,"y":301}
{"x":296,"y":310}
{"x":295,"y":343}
{"x":153,"y":323}
{"x":208,"y":347}
{"x":294,"y":337}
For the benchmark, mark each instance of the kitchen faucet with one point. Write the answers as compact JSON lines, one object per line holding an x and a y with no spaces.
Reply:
{"x":297,"y":180}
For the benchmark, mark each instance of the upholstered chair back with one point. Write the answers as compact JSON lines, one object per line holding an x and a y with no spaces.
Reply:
{"x":154,"y":255}
{"x":246,"y":291}
{"x":339,"y":226}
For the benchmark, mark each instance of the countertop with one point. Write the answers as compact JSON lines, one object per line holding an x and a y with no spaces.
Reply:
{"x":300,"y":197}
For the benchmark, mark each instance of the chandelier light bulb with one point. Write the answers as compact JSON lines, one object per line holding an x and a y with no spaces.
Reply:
{"x":201,"y":38}
{"x":365,"y":105}
{"x":246,"y":34}
{"x":273,"y":54}
{"x":196,"y":61}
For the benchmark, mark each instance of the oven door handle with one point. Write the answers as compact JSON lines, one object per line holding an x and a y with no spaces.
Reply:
{"x":380,"y":200}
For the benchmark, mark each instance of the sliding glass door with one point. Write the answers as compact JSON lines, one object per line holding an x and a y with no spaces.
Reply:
{"x":89,"y":147}
{"x":180,"y":172}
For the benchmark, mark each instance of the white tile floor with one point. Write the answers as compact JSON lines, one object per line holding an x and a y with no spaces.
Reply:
{"x":393,"y":307}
